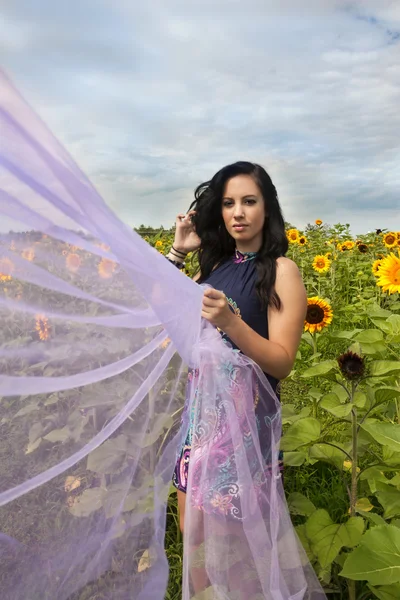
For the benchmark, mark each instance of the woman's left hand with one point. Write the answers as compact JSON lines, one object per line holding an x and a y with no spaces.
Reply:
{"x":216,"y":309}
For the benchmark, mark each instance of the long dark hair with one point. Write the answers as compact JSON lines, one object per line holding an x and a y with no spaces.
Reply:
{"x":218,"y":246}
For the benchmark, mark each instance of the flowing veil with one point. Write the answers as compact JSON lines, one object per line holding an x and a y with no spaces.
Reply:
{"x":101,"y":347}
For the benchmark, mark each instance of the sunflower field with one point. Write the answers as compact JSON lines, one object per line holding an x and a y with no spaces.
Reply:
{"x":341,"y":412}
{"x":340,"y":407}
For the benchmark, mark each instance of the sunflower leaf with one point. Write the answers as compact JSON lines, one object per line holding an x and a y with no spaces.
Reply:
{"x":321,"y":368}
{"x":379,"y":368}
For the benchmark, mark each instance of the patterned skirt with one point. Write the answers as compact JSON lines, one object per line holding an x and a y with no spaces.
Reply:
{"x":180,"y":475}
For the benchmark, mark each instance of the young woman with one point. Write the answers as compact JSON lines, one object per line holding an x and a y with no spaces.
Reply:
{"x":257,"y":299}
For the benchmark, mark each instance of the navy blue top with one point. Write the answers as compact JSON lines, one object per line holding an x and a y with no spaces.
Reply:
{"x":236,"y":278}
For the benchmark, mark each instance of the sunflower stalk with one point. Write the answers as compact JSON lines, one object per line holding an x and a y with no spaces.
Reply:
{"x":354,"y":477}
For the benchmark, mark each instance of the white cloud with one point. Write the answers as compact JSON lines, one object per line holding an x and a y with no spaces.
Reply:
{"x":151,"y":100}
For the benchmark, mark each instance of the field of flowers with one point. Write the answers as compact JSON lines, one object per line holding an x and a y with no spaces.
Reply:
{"x":341,"y":404}
{"x":341,"y":411}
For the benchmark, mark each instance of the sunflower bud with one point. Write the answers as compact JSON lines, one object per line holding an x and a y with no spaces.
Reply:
{"x":352,"y":365}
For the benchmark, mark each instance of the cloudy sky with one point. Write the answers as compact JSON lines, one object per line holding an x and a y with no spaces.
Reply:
{"x":151,"y":98}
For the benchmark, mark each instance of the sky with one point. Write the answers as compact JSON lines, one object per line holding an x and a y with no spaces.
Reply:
{"x":152,"y":98}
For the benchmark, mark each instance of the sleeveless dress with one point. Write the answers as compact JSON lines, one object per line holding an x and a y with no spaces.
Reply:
{"x":236,"y":278}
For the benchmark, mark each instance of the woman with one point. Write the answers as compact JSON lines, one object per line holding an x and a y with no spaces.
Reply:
{"x":257,"y":299}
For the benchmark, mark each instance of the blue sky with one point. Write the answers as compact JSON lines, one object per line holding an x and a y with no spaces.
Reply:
{"x":153,"y":98}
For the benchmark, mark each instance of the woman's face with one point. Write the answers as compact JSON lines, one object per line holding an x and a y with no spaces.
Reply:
{"x":243,"y":211}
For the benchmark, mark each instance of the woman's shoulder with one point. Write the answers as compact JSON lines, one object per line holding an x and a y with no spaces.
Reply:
{"x":286,"y":265}
{"x":287,"y":271}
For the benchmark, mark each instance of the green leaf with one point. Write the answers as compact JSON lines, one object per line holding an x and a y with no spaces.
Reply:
{"x":390,"y":456}
{"x":359,"y":399}
{"x":387,"y":434}
{"x":58,"y":435}
{"x":384,"y":394}
{"x":300,"y":504}
{"x":161,"y":422}
{"x":332,"y":404}
{"x":305,"y":542}
{"x":294,"y":459}
{"x":394,"y":322}
{"x":289,"y":414}
{"x":109,"y":457}
{"x":377,"y":559}
{"x":371,"y":517}
{"x":88,"y":502}
{"x":363,"y":505}
{"x":376,"y":311}
{"x":28,"y":408}
{"x":35,"y":432}
{"x":328,"y":538}
{"x":302,"y":432}
{"x":344,"y":335}
{"x":329,"y":454}
{"x":365,"y":348}
{"x":307,"y":337}
{"x":389,"y":497}
{"x":386,"y":592}
{"x":33,"y":445}
{"x":369,"y":336}
{"x":379,"y":368}
{"x":382,"y":324}
{"x":321,"y":368}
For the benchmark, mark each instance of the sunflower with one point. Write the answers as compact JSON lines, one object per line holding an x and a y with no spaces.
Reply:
{"x":319,"y":315}
{"x":389,"y":274}
{"x":42,"y":327}
{"x":106,"y":268}
{"x":73,"y":262}
{"x":6,"y":268}
{"x":328,"y":255}
{"x":28,"y":254}
{"x":166,"y":343}
{"x":302,"y":240}
{"x":349,"y":245}
{"x":363,"y":248}
{"x":390,"y":239}
{"x":375,"y":267}
{"x":321,"y":263}
{"x":293,"y":236}
{"x":159,"y":244}
{"x":318,"y":222}
{"x":351,"y":365}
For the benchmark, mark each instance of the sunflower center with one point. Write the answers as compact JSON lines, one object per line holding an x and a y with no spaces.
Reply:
{"x":320,"y":263}
{"x":390,"y":239}
{"x":315,"y":314}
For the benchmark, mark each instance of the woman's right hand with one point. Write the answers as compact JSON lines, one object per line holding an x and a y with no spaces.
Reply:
{"x":186,"y":238}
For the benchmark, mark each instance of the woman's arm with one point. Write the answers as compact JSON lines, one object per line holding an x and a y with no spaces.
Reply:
{"x":276,"y":355}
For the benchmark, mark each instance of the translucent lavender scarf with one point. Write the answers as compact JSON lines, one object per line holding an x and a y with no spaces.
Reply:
{"x":98,"y":332}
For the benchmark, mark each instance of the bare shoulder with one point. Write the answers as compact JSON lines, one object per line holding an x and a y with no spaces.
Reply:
{"x":286,"y":268}
{"x":289,"y":283}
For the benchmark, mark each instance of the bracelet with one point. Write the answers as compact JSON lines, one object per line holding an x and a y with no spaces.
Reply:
{"x":179,"y":265}
{"x":184,"y":254}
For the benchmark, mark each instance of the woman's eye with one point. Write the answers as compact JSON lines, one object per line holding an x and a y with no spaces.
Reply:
{"x":227,"y":203}
{"x":250,"y":201}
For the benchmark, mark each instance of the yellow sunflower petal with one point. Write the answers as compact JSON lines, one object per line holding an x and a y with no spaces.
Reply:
{"x":389,"y":274}
{"x":321,"y":263}
{"x":319,"y":314}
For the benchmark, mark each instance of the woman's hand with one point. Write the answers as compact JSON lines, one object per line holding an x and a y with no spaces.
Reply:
{"x":186,"y":239}
{"x":216,"y":309}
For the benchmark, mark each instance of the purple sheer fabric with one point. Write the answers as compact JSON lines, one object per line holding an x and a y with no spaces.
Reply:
{"x":98,"y":333}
